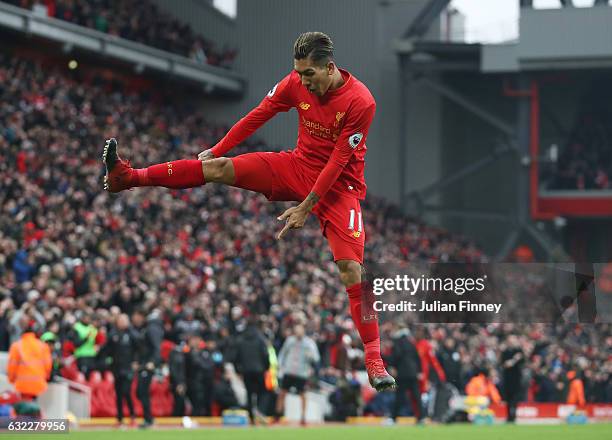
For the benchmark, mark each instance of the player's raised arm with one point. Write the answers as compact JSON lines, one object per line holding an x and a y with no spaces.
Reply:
{"x":278,"y":99}
{"x":352,"y":137}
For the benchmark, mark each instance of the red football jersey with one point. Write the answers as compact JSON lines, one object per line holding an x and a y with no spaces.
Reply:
{"x":332,"y":130}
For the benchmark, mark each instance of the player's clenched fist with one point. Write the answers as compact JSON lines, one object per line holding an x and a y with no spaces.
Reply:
{"x":206,"y":155}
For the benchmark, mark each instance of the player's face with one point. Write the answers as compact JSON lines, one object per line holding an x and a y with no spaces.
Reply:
{"x":315,"y":78}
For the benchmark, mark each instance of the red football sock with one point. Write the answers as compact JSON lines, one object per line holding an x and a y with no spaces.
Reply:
{"x":178,"y":174}
{"x":365,"y":318}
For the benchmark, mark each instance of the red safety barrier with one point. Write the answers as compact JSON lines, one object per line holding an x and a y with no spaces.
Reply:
{"x":599,"y":411}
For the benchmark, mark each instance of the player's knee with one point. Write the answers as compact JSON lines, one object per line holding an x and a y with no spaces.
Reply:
{"x":218,"y":170}
{"x":350,"y":272}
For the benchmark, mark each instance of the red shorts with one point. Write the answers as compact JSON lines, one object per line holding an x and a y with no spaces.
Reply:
{"x":280,"y":177}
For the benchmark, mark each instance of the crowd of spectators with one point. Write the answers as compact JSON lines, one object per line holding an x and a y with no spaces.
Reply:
{"x":140,"y":21}
{"x":551,"y":351}
{"x":204,"y":262}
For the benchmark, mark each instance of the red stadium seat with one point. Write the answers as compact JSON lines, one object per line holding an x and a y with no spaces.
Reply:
{"x":80,"y":378}
{"x":161,"y":398}
{"x":102,"y":396}
{"x":94,"y":378}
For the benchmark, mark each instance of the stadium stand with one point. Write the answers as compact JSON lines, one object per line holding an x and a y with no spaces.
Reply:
{"x":585,"y":164}
{"x":138,"y":21}
{"x":585,"y":161}
{"x":206,"y":259}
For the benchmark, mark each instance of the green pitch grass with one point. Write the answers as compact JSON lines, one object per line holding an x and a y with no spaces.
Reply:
{"x":454,"y":432}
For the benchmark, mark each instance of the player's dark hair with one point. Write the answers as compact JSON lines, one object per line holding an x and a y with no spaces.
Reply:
{"x":316,"y":45}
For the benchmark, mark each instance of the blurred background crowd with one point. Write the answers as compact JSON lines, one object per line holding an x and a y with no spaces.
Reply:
{"x":197,"y":274}
{"x":139,"y":21}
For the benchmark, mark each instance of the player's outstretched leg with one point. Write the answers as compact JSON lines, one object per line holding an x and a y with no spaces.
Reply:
{"x":366,"y":321}
{"x":120,"y":175}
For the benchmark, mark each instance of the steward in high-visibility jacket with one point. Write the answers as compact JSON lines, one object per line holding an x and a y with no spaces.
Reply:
{"x":480,"y":385}
{"x":29,"y":365}
{"x":575,"y":395}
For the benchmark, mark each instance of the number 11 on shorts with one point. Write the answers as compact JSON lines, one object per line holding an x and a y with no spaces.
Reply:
{"x":351,"y":226}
